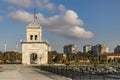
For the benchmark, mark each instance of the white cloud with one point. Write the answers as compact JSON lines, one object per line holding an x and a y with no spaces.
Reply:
{"x":78,"y":32}
{"x":44,"y":4}
{"x":50,"y":6}
{"x":66,"y":20}
{"x":21,"y":16}
{"x":11,"y":8}
{"x":72,"y":18}
{"x":21,"y":3}
{"x":39,"y":3}
{"x":62,"y":8}
{"x":67,"y":24}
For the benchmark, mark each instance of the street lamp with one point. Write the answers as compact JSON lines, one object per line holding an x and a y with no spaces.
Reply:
{"x":40,"y":57}
{"x":40,"y":60}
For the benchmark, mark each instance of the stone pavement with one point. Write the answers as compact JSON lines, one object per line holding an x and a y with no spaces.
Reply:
{"x":21,"y":72}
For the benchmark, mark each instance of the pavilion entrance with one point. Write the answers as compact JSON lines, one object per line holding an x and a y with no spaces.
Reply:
{"x":33,"y":58}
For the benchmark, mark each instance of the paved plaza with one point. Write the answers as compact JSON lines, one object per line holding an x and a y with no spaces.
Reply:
{"x":21,"y":72}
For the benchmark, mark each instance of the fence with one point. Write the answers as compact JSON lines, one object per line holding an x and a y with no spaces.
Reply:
{"x":77,"y":73}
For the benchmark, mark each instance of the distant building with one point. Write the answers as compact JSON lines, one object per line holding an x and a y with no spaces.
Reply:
{"x":70,"y":49}
{"x":100,"y":48}
{"x":87,"y":48}
{"x":65,"y":49}
{"x":117,"y":49}
{"x":112,"y":56}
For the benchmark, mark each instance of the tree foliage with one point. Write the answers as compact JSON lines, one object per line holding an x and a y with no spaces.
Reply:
{"x":10,"y":57}
{"x":55,"y":57}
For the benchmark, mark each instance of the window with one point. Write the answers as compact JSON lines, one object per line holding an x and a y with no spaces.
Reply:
{"x":31,"y":37}
{"x":35,"y":37}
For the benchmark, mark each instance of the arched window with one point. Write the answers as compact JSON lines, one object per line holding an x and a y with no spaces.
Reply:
{"x":35,"y":37}
{"x":31,"y":37}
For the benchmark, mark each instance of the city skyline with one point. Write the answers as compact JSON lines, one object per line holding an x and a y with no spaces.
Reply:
{"x":78,"y":22}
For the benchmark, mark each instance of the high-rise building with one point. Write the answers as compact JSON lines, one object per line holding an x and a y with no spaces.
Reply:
{"x":117,"y":49}
{"x":65,"y":49}
{"x":70,"y":49}
{"x":100,"y":48}
{"x":87,"y":48}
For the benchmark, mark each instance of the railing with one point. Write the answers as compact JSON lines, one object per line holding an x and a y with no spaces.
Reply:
{"x":78,"y":73}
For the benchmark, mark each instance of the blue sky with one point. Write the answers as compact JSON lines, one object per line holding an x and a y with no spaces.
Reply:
{"x":63,"y":22}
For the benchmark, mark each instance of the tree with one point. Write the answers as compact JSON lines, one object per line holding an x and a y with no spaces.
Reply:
{"x":118,"y":60}
{"x":109,"y":60}
{"x":1,"y":57}
{"x":51,"y":56}
{"x":12,"y":57}
{"x":103,"y":58}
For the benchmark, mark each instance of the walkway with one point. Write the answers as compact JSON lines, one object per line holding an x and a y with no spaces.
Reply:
{"x":20,"y":72}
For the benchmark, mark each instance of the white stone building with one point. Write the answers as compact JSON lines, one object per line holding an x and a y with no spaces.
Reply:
{"x":34,"y":51}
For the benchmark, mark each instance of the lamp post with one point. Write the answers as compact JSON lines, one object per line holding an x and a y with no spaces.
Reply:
{"x":40,"y":60}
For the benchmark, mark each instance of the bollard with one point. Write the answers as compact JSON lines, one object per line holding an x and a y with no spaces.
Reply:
{"x":53,"y":69}
{"x":80,"y":74}
{"x":61,"y":71}
{"x":65,"y":71}
{"x":90,"y":75}
{"x":72,"y":72}
{"x":103,"y":76}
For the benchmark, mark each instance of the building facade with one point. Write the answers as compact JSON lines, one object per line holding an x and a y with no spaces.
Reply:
{"x":100,"y":48}
{"x":112,"y":56}
{"x":34,"y":51}
{"x":70,"y":49}
{"x":87,"y":48}
{"x":117,"y":49}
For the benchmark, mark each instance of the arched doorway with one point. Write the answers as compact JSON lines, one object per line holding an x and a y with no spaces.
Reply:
{"x":33,"y":58}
